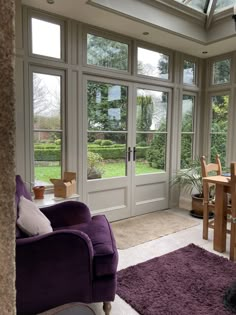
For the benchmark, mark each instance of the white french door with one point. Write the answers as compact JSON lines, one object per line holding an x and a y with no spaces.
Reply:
{"x":125,"y":141}
{"x":151,"y":138}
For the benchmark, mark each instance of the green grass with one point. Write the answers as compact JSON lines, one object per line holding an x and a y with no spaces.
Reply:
{"x":44,"y":173}
{"x":111,"y":169}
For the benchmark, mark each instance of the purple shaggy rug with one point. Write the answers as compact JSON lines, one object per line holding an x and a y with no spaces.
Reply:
{"x":187,"y":281}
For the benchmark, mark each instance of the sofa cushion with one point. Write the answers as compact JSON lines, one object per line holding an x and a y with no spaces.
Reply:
{"x":21,"y":190}
{"x":31,"y":220}
{"x":100,"y":233}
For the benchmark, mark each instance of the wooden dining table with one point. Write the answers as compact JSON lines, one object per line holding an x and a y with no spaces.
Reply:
{"x":222,"y":184}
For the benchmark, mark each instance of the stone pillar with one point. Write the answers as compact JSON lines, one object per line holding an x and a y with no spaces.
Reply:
{"x":7,"y":158}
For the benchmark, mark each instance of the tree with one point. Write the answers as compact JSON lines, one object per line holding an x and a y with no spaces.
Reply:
{"x":222,"y":71}
{"x":156,"y":154}
{"x":107,"y":53}
{"x":104,"y":112}
{"x":144,"y":116}
{"x":46,"y":101}
{"x":219,"y":127}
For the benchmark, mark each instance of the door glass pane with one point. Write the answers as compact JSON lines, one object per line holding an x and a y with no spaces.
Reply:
{"x":107,"y":130}
{"x":47,"y":127}
{"x":189,"y":72}
{"x":221,"y":71}
{"x":106,"y":155}
{"x":107,"y":53}
{"x":107,"y":106}
{"x":151,"y":110}
{"x":46,"y":38}
{"x":219,"y":127}
{"x":153,"y":64}
{"x":151,"y":115}
{"x":150,"y":153}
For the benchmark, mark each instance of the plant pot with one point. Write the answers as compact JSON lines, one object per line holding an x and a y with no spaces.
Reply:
{"x":197,"y":207}
{"x":197,"y":204}
{"x":38,"y":192}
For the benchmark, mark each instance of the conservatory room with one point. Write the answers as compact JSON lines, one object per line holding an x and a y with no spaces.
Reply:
{"x":125,"y":122}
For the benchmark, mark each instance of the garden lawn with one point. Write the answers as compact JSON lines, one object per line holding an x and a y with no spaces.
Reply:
{"x":111,"y":169}
{"x":44,"y":173}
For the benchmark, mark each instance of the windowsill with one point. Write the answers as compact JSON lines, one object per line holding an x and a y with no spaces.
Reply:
{"x":50,"y":200}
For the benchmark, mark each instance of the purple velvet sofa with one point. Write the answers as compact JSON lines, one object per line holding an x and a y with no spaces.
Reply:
{"x":77,"y":262}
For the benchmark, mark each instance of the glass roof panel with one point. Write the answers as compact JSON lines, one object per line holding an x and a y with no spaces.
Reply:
{"x":201,"y":5}
{"x":224,"y":4}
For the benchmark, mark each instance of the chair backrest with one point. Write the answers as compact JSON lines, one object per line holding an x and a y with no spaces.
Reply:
{"x":211,"y":167}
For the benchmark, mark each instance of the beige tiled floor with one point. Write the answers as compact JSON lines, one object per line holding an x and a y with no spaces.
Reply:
{"x":158,"y":247}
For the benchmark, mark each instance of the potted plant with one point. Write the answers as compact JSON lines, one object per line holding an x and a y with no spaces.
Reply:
{"x":95,"y":167}
{"x":190,"y":180}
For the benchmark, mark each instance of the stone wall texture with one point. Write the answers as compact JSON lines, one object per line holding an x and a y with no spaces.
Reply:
{"x":7,"y":157}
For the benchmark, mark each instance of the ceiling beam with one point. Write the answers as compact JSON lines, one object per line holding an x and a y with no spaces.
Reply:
{"x":210,"y":12}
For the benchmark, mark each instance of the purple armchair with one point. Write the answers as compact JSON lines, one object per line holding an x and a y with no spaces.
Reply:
{"x":77,"y":262}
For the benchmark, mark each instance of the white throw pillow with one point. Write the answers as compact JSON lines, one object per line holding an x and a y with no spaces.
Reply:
{"x":31,"y":220}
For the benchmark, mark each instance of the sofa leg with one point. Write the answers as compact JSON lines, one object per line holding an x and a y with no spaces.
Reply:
{"x":107,"y":307}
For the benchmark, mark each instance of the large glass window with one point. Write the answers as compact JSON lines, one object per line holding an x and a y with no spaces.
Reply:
{"x":189,"y":72}
{"x":187,"y":130}
{"x":221,"y":71}
{"x":107,"y":53}
{"x":46,"y":38}
{"x":219,"y":126}
{"x":151,"y":131}
{"x":107,"y":130}
{"x":47,"y":127}
{"x":152,"y":63}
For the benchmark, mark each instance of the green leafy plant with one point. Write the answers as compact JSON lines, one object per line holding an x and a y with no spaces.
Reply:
{"x":190,"y":178}
{"x":106,"y":142}
{"x":95,"y":168}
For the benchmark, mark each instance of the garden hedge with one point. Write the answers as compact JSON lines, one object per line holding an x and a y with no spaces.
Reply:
{"x":47,"y":155}
{"x":116,"y":152}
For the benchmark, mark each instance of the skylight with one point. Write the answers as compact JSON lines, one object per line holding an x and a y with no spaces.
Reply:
{"x":202,"y":5}
{"x":224,"y":4}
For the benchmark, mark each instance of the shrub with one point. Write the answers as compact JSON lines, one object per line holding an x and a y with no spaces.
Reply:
{"x":106,"y":142}
{"x":109,"y":152}
{"x":156,"y":153}
{"x":57,"y":142}
{"x":47,"y":155}
{"x":141,"y":152}
{"x":98,"y":141}
{"x":95,"y":168}
{"x":142,"y":144}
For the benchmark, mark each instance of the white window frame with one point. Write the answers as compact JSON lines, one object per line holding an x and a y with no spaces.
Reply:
{"x":50,"y":19}
{"x":109,"y":36}
{"x":194,"y":132}
{"x":159,"y":50}
{"x":47,"y":71}
{"x":195,"y":61}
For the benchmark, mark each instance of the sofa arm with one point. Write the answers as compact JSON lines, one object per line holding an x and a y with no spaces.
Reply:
{"x":53,"y":269}
{"x":67,"y":213}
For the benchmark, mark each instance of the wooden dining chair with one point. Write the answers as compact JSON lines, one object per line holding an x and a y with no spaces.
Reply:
{"x":210,"y":169}
{"x":233,"y":210}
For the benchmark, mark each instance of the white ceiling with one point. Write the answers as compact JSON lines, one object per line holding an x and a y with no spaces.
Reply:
{"x":80,"y":10}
